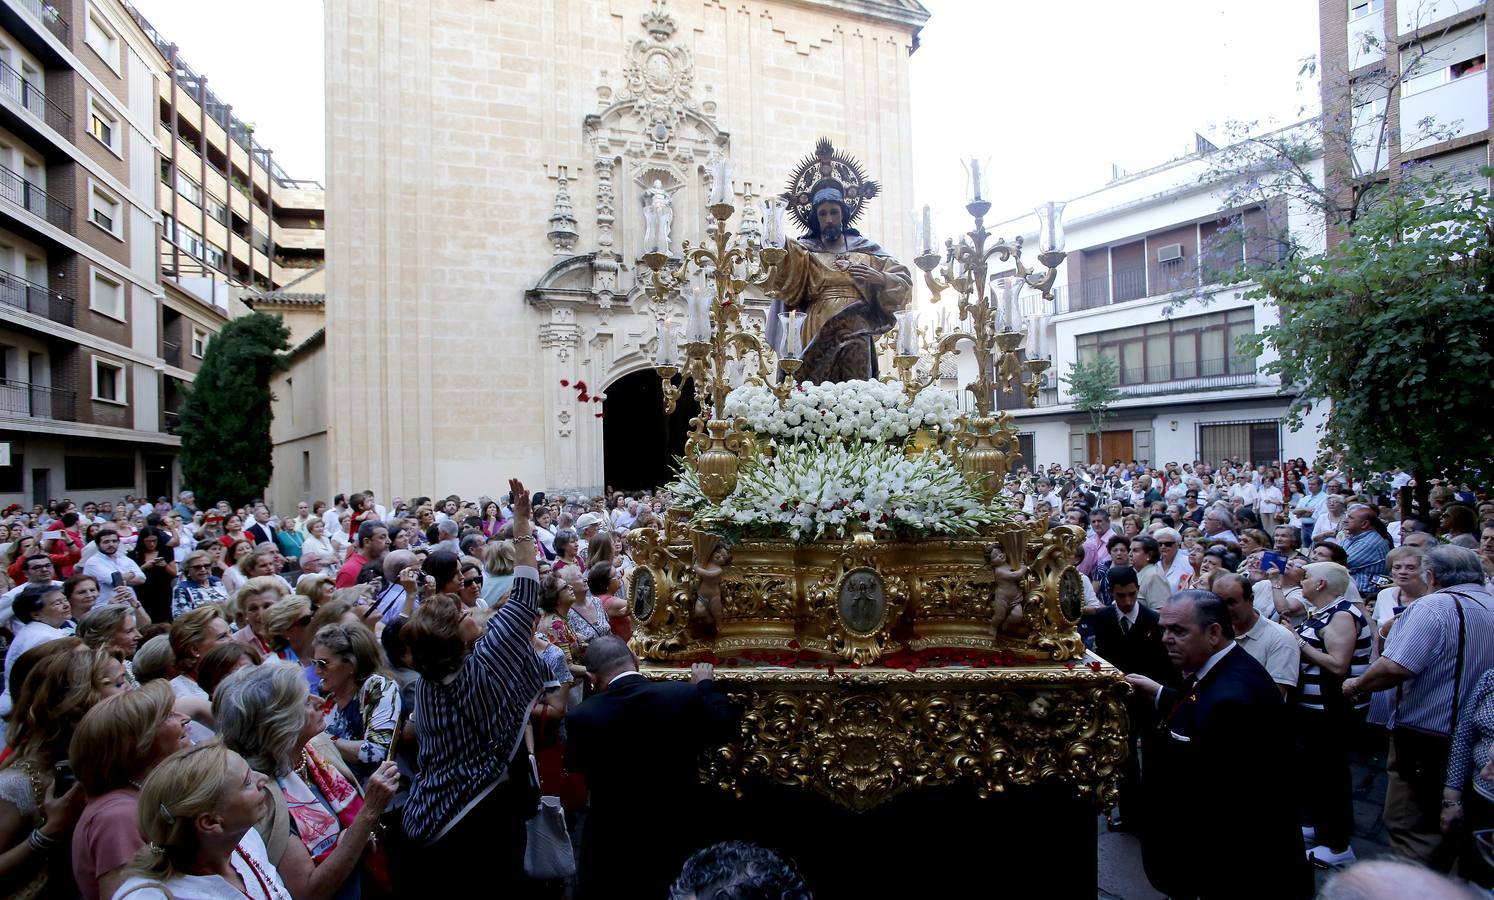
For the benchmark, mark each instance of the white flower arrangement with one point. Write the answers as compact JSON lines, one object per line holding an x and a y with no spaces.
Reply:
{"x":848,"y":411}
{"x":825,"y":487}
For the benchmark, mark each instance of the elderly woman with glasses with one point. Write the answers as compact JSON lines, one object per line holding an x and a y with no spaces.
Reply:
{"x":363,"y":706}
{"x":318,"y":821}
{"x":198,"y":585}
{"x":42,"y":610}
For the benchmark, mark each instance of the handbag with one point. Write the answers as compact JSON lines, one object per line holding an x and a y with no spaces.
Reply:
{"x":548,"y":854}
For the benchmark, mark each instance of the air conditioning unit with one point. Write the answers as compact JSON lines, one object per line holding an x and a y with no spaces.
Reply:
{"x":1169,"y":252}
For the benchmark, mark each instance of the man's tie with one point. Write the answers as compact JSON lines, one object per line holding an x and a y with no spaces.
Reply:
{"x":1125,"y":625}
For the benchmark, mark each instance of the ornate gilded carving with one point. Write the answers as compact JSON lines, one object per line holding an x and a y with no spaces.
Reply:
{"x":861,"y":738}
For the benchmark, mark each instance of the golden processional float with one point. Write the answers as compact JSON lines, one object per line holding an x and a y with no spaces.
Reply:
{"x":842,"y":552}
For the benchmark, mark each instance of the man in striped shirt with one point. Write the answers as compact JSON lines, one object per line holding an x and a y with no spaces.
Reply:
{"x":1434,"y":656}
{"x":469,"y":805}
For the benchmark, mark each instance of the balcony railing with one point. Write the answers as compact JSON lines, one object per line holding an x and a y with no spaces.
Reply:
{"x":171,"y":420}
{"x":171,"y":352}
{"x":1129,"y":284}
{"x":34,"y":199}
{"x":34,"y":99}
{"x":49,"y":16}
{"x":1176,"y":378}
{"x":37,"y":299}
{"x":19,"y":399}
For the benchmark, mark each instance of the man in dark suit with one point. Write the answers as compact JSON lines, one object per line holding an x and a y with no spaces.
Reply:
{"x":1129,"y":636}
{"x":1227,"y":711}
{"x":638,"y":742}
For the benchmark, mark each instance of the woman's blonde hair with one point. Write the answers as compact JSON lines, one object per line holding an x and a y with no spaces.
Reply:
{"x":98,"y":628}
{"x":53,"y":700}
{"x":196,"y":556}
{"x":308,"y":586}
{"x":357,"y":645}
{"x":117,"y":737}
{"x":154,"y":659}
{"x":187,"y":784}
{"x":256,"y":586}
{"x":280,"y":618}
{"x":260,"y":711}
{"x":498,"y":558}
{"x":187,"y":631}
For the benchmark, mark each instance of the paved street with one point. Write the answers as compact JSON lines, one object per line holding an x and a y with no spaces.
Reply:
{"x":1121,"y":875}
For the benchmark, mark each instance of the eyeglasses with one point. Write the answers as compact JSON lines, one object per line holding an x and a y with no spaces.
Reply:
{"x":471,"y":582}
{"x":200,"y":566}
{"x":321,"y":664}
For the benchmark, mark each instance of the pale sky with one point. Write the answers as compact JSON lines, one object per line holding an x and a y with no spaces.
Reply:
{"x":1053,"y":93}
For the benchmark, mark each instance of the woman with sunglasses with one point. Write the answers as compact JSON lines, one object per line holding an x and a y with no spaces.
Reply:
{"x":363,"y":699}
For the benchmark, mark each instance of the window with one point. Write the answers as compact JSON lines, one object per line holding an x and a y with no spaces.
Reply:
{"x":103,"y":126}
{"x":1175,"y":350}
{"x":98,"y":35}
{"x":189,"y":240}
{"x":108,"y":381}
{"x":1255,"y":442}
{"x":1366,"y":8}
{"x":104,"y":211}
{"x":168,"y":228}
{"x":217,"y":210}
{"x":215,"y":256}
{"x":188,"y":188}
{"x":107,"y":297}
{"x":1445,"y":60}
{"x":199,"y":342}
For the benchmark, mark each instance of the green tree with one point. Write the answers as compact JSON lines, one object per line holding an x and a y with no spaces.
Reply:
{"x":1092,"y":386}
{"x":1391,"y":326}
{"x":225,"y":419}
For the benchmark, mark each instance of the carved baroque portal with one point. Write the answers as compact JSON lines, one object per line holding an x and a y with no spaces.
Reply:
{"x":648,"y":140}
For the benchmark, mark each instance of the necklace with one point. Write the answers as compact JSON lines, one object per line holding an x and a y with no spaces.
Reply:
{"x":265,"y":885}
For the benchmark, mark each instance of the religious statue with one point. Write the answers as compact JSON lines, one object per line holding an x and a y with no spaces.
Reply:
{"x":706,"y":612}
{"x":1007,"y":597}
{"x":662,"y":206}
{"x":847,"y":286}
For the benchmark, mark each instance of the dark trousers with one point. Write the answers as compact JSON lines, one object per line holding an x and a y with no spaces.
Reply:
{"x":1478,"y":814}
{"x":484,"y":848}
{"x":1324,"y":740}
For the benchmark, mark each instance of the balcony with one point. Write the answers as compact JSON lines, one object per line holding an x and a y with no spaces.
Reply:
{"x":1129,"y":284}
{"x":33,"y":99}
{"x":171,"y":352}
{"x":37,"y":299}
{"x":171,"y":420}
{"x":49,"y":16}
{"x":1177,"y":378}
{"x":20,"y":400}
{"x":35,"y":200}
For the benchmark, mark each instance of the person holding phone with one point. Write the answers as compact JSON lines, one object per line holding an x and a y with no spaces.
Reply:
{"x":111,"y":561}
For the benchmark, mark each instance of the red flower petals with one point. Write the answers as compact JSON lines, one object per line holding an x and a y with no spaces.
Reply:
{"x":565,"y":382}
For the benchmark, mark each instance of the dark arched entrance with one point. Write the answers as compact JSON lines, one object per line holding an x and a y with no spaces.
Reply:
{"x":639,"y":442}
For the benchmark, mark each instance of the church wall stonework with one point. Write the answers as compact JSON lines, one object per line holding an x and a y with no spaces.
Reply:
{"x":488,"y":162}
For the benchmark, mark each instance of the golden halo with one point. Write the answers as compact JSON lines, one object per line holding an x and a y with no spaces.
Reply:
{"x":828,"y":167}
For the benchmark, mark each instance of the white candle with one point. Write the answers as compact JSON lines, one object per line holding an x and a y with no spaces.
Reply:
{"x":664,"y":353}
{"x":698,"y":312}
{"x":773,"y":210}
{"x":793,"y":334}
{"x":907,"y":332}
{"x":926,"y":232}
{"x":721,"y":192}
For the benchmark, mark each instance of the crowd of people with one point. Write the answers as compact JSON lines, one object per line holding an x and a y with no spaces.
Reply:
{"x":1278,"y":613}
{"x":349,"y":701}
{"x":352,"y":699}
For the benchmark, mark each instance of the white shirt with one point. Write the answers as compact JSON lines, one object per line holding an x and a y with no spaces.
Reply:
{"x":1400,"y":480}
{"x":1181,"y":568}
{"x":1209,"y":664}
{"x":1274,"y":647}
{"x":213,"y":887}
{"x":1245,"y":491}
{"x":321,"y":546}
{"x":1130,"y":616}
{"x":1054,"y":503}
{"x":102,"y":567}
{"x":32,"y":634}
{"x":1271,"y":499}
{"x":329,"y":518}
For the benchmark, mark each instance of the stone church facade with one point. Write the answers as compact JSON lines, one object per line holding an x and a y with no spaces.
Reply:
{"x":488,"y":165}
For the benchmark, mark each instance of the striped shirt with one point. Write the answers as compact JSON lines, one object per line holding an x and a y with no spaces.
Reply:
{"x":1314,"y":680}
{"x":1473,"y":739}
{"x":1425,"y":641}
{"x":1366,"y":552}
{"x":469,"y":725}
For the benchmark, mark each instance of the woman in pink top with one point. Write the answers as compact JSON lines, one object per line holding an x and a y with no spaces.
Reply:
{"x":116,"y":745}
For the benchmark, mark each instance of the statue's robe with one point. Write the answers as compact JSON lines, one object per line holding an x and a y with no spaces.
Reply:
{"x":841,"y":321}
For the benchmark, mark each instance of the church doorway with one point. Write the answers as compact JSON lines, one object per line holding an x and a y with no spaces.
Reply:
{"x":639,"y":442}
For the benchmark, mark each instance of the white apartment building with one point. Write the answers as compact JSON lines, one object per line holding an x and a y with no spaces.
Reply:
{"x":1141,"y":284}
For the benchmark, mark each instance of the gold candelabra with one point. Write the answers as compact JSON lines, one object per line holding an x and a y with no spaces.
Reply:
{"x":712,"y":279}
{"x":985,"y":439}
